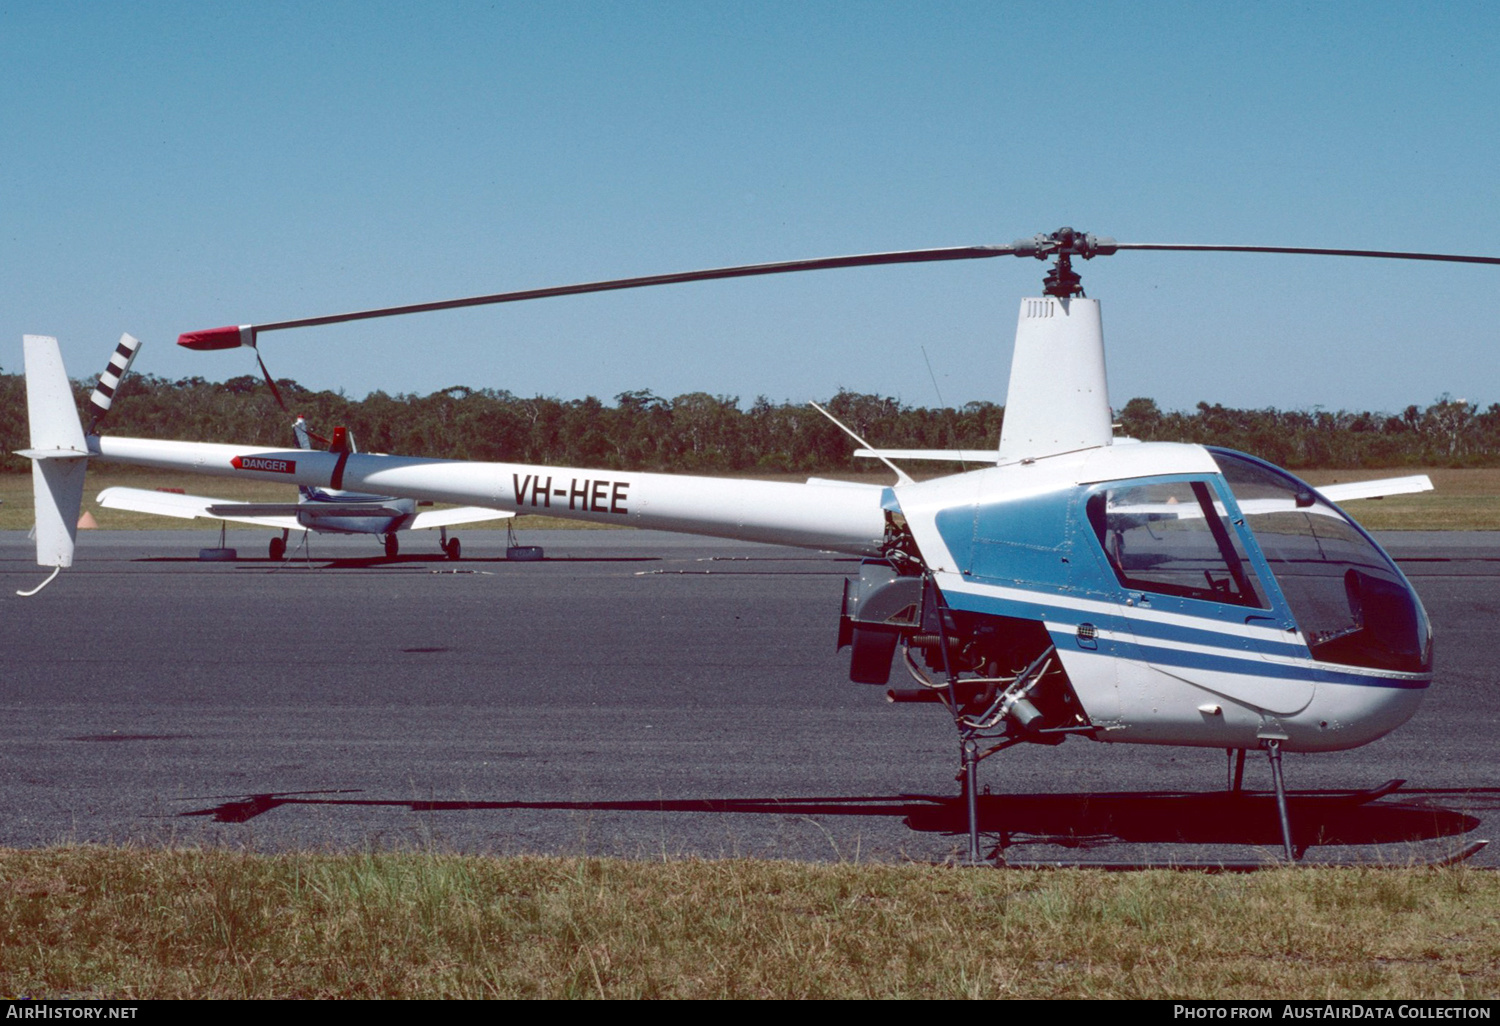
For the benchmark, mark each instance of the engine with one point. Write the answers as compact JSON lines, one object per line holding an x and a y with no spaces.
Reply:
{"x":996,"y":674}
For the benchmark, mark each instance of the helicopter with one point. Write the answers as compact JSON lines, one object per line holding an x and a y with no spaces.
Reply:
{"x":1076,"y":585}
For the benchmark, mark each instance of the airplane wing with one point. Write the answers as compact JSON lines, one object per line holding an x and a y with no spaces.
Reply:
{"x":186,"y":507}
{"x":461,"y":515}
{"x":320,"y":510}
{"x":1350,"y":492}
{"x":1377,"y":489}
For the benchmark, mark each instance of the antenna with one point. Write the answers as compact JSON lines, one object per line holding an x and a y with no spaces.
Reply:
{"x":902,"y":477}
{"x":941,"y":401}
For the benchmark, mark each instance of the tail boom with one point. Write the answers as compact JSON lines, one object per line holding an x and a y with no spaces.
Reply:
{"x":806,"y":515}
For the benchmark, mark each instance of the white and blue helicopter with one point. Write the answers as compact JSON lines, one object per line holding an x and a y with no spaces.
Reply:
{"x":1077,"y":585}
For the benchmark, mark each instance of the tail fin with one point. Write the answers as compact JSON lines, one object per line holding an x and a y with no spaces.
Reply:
{"x":58,"y":453}
{"x":303,"y":437}
{"x":119,"y":366}
{"x":343,"y":441}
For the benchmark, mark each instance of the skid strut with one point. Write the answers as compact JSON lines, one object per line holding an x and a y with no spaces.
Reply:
{"x":1236,"y":769}
{"x":971,"y":793}
{"x":1273,"y":749}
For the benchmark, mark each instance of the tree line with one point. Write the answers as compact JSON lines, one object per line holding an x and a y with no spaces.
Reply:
{"x":703,"y":433}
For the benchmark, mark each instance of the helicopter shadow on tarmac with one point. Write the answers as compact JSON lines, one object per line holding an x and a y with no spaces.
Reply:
{"x":1092,"y":821}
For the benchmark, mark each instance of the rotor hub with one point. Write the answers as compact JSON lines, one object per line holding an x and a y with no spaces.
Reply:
{"x":1064,"y":244}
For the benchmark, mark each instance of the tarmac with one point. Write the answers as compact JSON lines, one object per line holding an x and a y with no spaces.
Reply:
{"x":632,"y":694}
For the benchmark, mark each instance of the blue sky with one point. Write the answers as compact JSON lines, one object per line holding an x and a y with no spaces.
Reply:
{"x":170,"y":167}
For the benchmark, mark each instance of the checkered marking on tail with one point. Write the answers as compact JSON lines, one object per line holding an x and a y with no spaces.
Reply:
{"x":109,"y":381}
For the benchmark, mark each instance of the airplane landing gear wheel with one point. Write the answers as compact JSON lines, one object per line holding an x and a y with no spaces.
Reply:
{"x":392,"y":545}
{"x":452,"y":548}
{"x":278,"y":549}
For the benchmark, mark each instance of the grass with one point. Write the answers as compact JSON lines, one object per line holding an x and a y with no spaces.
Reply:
{"x":1464,"y":500}
{"x":128,"y":923}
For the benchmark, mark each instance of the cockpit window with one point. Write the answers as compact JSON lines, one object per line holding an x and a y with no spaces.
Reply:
{"x":1171,"y":538}
{"x":1352,"y":604}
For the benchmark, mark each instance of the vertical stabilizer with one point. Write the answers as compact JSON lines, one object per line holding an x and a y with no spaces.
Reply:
{"x":58,"y":452}
{"x":1058,"y":399}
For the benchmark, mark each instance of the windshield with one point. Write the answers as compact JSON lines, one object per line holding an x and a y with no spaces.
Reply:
{"x":1352,"y":604}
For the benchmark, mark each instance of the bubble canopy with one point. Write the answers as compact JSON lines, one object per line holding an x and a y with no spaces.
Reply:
{"x":1351,"y":602}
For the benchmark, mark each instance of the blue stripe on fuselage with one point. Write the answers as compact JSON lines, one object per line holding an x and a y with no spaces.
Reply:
{"x":1170,"y":659}
{"x":1151,"y":641}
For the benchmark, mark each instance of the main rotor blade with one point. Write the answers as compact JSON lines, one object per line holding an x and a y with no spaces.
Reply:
{"x":1308,"y":251}
{"x":228,"y":338}
{"x":1063,"y":242}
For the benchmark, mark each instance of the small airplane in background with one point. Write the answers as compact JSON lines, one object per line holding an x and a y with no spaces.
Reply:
{"x":324,"y":510}
{"x":328,"y":510}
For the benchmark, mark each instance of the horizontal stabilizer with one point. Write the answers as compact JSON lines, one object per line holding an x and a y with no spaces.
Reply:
{"x":53,"y":454}
{"x":828,"y":482}
{"x":986,"y":457}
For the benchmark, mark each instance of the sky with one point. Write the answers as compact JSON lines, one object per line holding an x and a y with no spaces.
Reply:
{"x":169,"y":167}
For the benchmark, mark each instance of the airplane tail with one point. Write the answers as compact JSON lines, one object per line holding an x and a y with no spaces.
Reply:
{"x":303,"y":437}
{"x":342,"y":443}
{"x":59,"y":453}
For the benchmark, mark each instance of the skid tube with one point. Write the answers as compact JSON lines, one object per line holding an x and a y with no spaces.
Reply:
{"x":1450,"y":857}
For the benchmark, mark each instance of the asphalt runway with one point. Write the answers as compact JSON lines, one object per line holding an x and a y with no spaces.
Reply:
{"x":633,"y":694}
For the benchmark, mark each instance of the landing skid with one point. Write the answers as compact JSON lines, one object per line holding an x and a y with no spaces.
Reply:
{"x":1390,"y":833}
{"x":998,"y":729}
{"x":1451,"y":858}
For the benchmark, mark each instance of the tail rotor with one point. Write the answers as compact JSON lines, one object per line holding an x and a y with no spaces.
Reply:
{"x":109,"y":382}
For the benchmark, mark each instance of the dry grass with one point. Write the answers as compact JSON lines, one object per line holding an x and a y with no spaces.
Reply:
{"x":165,"y":924}
{"x":1465,"y":500}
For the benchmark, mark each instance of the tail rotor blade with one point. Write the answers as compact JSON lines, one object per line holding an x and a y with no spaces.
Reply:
{"x":109,"y":382}
{"x":270,"y":381}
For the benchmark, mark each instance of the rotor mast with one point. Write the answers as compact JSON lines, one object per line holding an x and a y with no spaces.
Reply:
{"x":1062,"y":281}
